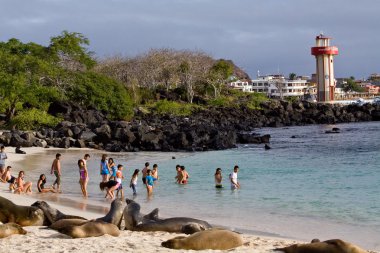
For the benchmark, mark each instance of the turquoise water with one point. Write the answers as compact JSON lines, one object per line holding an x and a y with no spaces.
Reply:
{"x":315,"y":185}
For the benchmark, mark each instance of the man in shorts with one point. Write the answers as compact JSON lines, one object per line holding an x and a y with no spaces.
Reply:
{"x":56,"y":169}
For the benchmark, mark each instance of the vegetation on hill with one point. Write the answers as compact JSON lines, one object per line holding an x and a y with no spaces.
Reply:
{"x":163,"y":81}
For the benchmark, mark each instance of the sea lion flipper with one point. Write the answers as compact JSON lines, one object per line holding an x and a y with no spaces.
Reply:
{"x":152,"y":215}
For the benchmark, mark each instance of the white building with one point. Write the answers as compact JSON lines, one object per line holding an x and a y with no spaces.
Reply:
{"x":275,"y":86}
{"x":243,"y":85}
{"x":279,"y":86}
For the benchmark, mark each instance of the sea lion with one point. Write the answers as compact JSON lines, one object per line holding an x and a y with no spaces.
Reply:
{"x":66,"y":222}
{"x":174,"y":225}
{"x":133,"y":217}
{"x":135,"y":221}
{"x":11,"y":229}
{"x":22,"y":215}
{"x":51,"y":214}
{"x":216,"y":239}
{"x":90,"y":229}
{"x":330,"y":246}
{"x":115,"y":215}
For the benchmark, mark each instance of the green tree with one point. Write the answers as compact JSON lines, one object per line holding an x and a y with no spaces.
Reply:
{"x":69,"y":50}
{"x":21,"y":68}
{"x":218,"y":75}
{"x":292,"y":76}
{"x":351,"y":85}
{"x":103,"y":93}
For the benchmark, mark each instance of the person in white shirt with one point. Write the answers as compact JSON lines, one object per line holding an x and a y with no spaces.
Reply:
{"x":234,"y":178}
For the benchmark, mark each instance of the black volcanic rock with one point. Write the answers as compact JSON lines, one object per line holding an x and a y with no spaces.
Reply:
{"x":206,"y":129}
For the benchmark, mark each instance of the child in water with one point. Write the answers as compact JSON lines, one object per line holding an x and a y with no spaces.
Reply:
{"x":119,"y":177}
{"x":149,"y":182}
{"x":133,"y":182}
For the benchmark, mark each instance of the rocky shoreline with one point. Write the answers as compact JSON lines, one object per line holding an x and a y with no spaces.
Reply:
{"x":212,"y":129}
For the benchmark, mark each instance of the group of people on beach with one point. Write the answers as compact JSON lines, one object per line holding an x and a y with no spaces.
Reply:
{"x":111,"y":177}
{"x":16,"y":184}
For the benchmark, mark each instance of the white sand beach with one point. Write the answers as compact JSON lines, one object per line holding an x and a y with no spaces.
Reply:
{"x":45,"y":240}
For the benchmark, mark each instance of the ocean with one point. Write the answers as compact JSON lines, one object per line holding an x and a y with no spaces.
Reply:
{"x":309,"y":185}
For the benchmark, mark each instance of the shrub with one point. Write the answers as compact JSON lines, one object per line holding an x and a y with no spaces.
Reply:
{"x":33,"y":119}
{"x":174,"y":108}
{"x":222,"y":101}
{"x":255,"y":99}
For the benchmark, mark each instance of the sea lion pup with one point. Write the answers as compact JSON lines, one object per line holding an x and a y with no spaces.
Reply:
{"x":90,"y":229}
{"x":11,"y":229}
{"x":330,"y":246}
{"x":66,"y":222}
{"x":51,"y":214}
{"x":22,"y":215}
{"x":216,"y":239}
{"x":115,"y":215}
{"x":135,"y":221}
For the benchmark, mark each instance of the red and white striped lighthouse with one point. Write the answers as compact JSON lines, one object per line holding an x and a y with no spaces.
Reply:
{"x":324,"y":54}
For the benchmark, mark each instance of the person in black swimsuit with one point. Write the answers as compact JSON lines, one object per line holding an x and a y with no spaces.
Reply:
{"x":41,"y":185}
{"x":111,"y":186}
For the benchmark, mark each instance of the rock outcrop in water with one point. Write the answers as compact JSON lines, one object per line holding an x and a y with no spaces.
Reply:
{"x":211,"y":129}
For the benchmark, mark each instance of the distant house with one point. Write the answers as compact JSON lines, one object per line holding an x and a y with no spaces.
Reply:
{"x":243,"y":85}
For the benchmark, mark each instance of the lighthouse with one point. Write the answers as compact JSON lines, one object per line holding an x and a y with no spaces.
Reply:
{"x":324,"y":55}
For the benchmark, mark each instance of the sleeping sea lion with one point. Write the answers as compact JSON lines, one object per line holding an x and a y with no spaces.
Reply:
{"x":11,"y":229}
{"x":216,"y":239}
{"x":91,"y":229}
{"x":330,"y":246}
{"x":174,"y":225}
{"x":66,"y":222}
{"x":22,"y":215}
{"x":115,"y":215}
{"x":135,"y":221}
{"x":51,"y":214}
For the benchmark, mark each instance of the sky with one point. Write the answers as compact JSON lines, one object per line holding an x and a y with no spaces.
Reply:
{"x":270,"y":36}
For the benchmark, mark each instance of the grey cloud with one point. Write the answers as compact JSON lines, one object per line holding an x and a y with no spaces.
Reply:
{"x":264,"y":35}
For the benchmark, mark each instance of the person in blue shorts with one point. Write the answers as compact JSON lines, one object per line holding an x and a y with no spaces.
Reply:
{"x":104,"y":168}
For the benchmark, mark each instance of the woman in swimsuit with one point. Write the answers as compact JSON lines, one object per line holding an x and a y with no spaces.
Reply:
{"x":83,"y":177}
{"x":41,"y":185}
{"x":21,"y":185}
